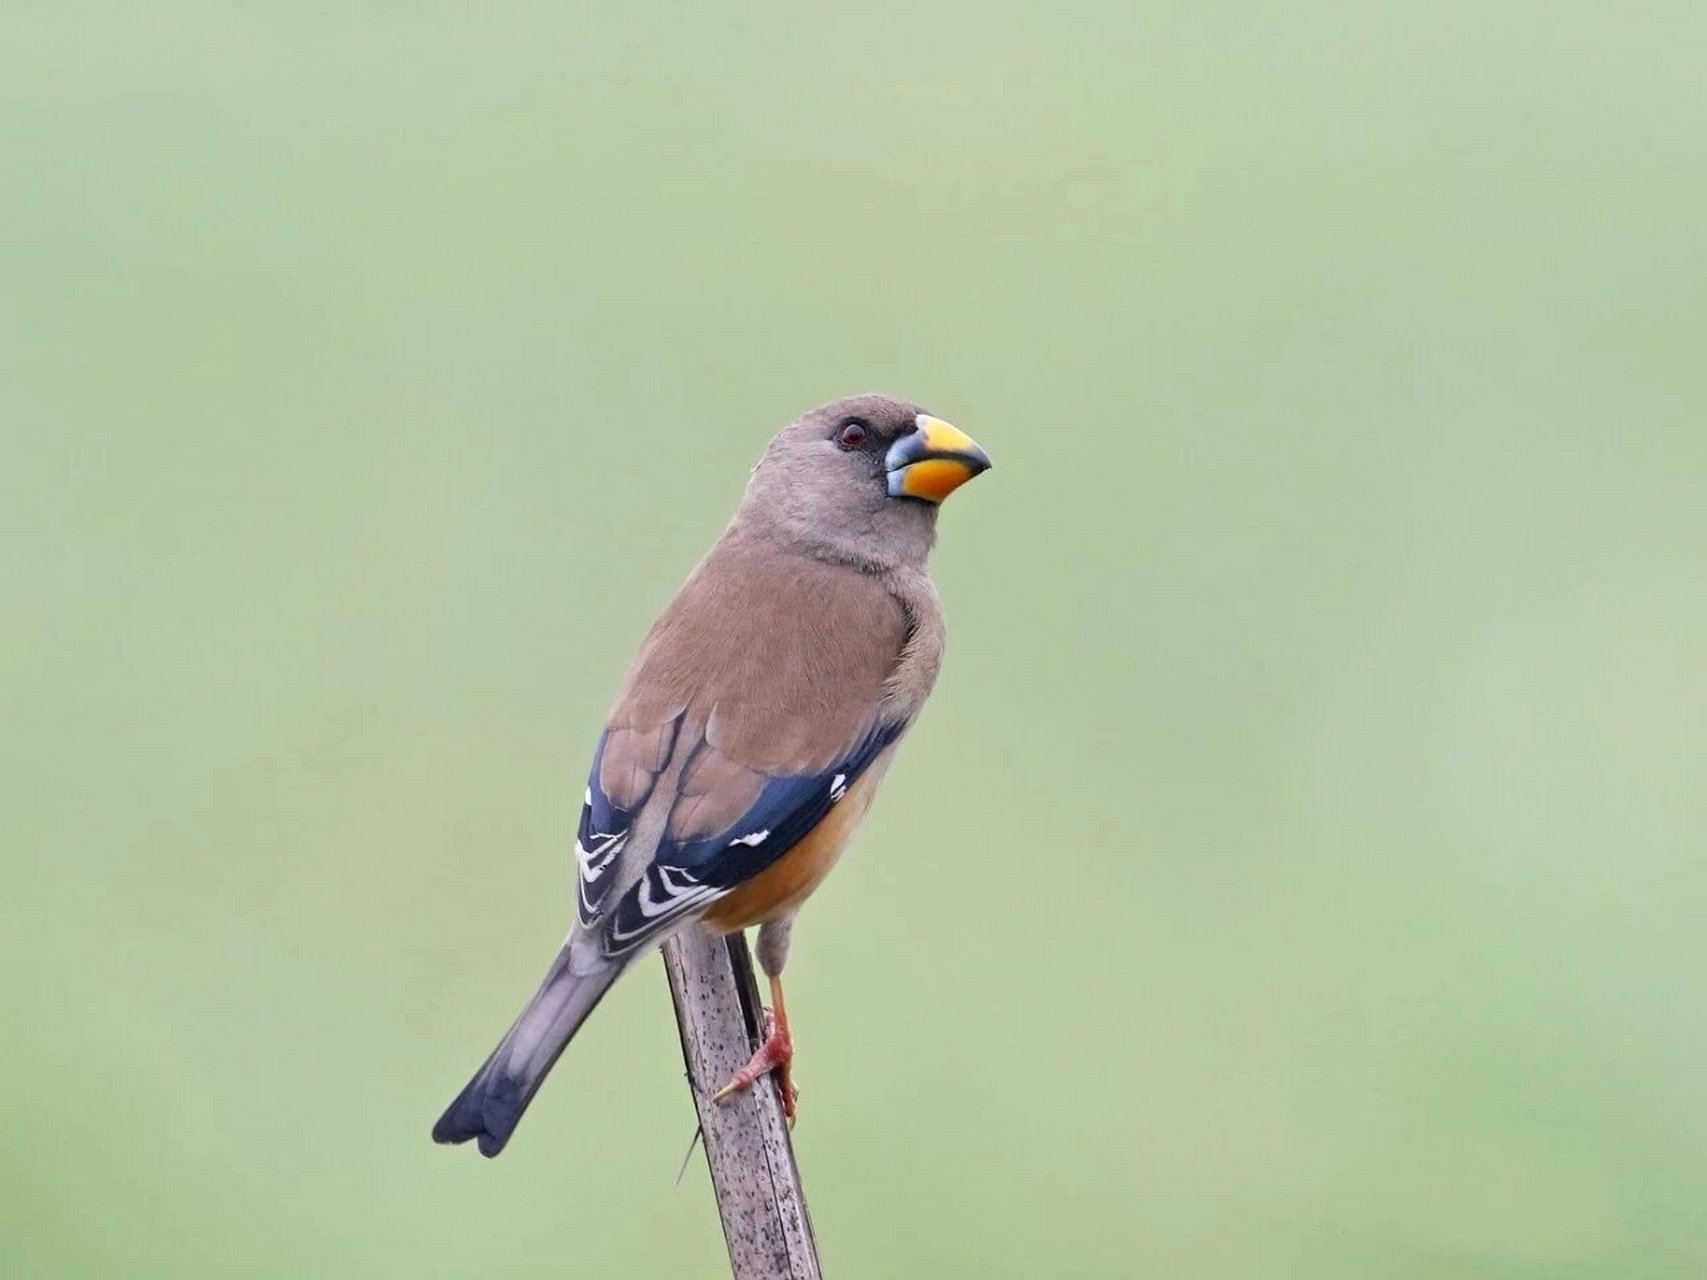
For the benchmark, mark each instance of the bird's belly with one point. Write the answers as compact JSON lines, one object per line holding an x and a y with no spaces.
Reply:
{"x":786,"y":883}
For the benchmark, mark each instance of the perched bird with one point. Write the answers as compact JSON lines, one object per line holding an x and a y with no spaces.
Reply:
{"x":753,"y":728}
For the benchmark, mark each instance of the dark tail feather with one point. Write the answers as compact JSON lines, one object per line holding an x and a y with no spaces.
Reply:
{"x":491,"y":1105}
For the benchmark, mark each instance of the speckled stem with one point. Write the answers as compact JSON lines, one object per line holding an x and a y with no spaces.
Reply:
{"x":765,"y":1219}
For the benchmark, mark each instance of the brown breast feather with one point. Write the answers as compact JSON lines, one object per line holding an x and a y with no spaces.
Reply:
{"x":773,"y":663}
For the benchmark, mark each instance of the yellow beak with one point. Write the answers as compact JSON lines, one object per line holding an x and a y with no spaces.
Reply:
{"x":934,"y":460}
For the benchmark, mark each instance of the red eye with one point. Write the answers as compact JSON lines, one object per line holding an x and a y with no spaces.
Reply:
{"x":853,"y":435}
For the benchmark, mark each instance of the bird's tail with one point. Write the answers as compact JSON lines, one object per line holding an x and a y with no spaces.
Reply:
{"x":491,"y":1104}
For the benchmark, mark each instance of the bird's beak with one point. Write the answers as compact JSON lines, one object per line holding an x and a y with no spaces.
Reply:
{"x":933,"y":461}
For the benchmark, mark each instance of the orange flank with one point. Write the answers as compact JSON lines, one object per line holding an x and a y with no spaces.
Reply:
{"x":787,"y":882}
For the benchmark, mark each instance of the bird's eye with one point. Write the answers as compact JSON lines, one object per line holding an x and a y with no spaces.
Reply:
{"x":853,"y":434}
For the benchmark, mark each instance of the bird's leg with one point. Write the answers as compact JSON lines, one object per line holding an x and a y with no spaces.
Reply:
{"x":776,"y":1053}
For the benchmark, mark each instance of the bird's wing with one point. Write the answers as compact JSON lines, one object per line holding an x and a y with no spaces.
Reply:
{"x":759,"y":695}
{"x":689,"y":873}
{"x":636,"y":758}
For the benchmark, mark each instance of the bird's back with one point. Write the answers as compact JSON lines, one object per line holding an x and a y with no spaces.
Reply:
{"x":780,"y":658}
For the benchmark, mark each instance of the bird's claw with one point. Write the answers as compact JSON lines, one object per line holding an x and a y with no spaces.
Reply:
{"x":775,"y":1054}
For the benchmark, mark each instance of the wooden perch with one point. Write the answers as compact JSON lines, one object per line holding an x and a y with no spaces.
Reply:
{"x":759,"y":1195}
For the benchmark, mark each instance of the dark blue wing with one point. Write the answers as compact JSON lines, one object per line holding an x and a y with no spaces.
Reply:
{"x":604,"y":832}
{"x":687,"y":874}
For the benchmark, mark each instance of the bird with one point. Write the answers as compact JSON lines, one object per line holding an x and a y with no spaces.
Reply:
{"x":752,"y":729}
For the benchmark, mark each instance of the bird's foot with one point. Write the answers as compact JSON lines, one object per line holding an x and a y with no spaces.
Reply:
{"x":775,"y":1054}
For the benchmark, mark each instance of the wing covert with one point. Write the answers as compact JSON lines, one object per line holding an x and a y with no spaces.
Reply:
{"x":691,"y":872}
{"x":625,"y":770}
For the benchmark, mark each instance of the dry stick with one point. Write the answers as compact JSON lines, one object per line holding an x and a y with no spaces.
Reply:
{"x":759,"y":1195}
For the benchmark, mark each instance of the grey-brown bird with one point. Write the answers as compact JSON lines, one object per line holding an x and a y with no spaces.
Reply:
{"x":753,"y":728}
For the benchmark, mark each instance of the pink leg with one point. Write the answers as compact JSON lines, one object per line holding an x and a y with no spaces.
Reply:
{"x":775,"y":1054}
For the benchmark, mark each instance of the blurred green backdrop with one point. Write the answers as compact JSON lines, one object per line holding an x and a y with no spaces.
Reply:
{"x":1318,"y":890}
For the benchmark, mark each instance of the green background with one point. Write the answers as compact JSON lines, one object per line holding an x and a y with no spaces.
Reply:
{"x":1299,"y":870}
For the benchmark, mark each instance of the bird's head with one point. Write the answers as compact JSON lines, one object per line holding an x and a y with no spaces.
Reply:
{"x":860,"y":480}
